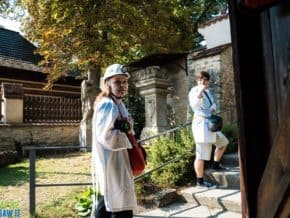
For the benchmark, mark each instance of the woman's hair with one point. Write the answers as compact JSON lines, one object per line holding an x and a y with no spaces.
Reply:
{"x":203,"y":74}
{"x":104,"y":93}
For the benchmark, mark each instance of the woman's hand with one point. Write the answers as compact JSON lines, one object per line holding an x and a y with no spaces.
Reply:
{"x":202,"y":87}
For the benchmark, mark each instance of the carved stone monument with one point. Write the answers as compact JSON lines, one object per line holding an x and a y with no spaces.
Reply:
{"x":89,"y":90}
{"x":153,"y":84}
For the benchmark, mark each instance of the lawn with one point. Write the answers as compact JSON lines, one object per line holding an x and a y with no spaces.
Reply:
{"x":50,"y":201}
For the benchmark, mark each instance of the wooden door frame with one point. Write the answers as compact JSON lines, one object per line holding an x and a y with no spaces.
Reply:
{"x":259,"y":145}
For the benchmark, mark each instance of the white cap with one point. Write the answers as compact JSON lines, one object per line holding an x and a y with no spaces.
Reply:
{"x":115,"y":69}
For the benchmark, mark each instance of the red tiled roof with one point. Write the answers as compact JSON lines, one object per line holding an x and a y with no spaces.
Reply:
{"x":214,"y":20}
{"x":210,"y":52}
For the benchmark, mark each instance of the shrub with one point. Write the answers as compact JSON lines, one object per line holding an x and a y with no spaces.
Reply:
{"x":164,"y":149}
{"x":230,"y":130}
{"x":136,"y":107}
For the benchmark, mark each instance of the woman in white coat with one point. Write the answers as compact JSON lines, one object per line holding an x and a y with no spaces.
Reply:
{"x":203,"y":106}
{"x":111,"y":170}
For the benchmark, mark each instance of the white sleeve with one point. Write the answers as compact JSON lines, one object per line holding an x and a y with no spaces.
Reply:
{"x":104,"y":118}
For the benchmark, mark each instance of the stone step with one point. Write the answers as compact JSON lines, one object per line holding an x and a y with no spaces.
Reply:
{"x":231,"y":160}
{"x":188,"y":210}
{"x":224,"y":199}
{"x":229,"y":179}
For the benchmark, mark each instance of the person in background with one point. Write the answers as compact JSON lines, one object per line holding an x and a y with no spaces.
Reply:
{"x":203,"y":106}
{"x":111,"y":170}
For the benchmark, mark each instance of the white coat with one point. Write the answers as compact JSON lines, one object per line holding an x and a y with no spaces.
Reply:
{"x":202,"y":109}
{"x":110,"y":160}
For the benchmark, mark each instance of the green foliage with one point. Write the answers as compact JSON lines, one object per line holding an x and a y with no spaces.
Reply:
{"x":164,"y":149}
{"x":9,"y":205}
{"x":84,"y":202}
{"x":11,"y":9}
{"x":230,"y":130}
{"x":136,"y":106}
{"x":70,"y":33}
{"x":75,"y":34}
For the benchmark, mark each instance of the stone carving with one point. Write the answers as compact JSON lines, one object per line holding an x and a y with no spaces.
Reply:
{"x":87,"y":98}
{"x":151,"y":72}
{"x":89,"y":90}
{"x":151,"y":108}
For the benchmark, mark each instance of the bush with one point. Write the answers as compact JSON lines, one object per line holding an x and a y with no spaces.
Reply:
{"x":230,"y":130}
{"x":164,"y":149}
{"x":136,"y":107}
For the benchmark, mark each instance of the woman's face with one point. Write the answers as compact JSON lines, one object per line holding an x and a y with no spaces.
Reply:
{"x":203,"y":81}
{"x":118,"y":85}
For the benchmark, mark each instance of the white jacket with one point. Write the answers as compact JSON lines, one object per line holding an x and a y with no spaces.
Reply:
{"x":202,"y":109}
{"x":110,"y":161}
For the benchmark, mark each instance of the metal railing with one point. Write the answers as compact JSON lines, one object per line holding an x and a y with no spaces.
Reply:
{"x":32,"y":158}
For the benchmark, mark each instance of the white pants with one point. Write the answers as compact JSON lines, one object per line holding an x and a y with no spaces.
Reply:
{"x":203,"y":150}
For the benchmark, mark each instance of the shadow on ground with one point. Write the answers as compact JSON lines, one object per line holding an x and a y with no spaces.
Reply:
{"x":14,"y":175}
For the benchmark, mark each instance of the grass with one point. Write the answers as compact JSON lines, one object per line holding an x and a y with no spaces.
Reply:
{"x":56,"y":202}
{"x":50,"y":201}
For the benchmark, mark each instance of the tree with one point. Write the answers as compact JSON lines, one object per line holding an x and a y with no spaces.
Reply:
{"x":72,"y":34}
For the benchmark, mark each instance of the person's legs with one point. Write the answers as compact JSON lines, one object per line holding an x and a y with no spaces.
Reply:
{"x":122,"y":214}
{"x":100,"y":211}
{"x":203,"y":152}
{"x":199,"y":168}
{"x":221,"y":146}
{"x":218,"y":153}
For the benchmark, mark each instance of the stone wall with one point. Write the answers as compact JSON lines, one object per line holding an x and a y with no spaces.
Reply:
{"x":165,"y":88}
{"x":212,"y":64}
{"x":177,"y":99}
{"x":219,"y":64}
{"x":13,"y":136}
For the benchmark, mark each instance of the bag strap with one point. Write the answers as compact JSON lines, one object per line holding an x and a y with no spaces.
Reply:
{"x":210,"y":101}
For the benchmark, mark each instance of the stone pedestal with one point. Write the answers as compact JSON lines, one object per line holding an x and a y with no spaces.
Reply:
{"x":153,"y":86}
{"x":89,"y":90}
{"x":12,"y":103}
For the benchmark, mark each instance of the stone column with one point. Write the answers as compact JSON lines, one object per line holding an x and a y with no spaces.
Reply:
{"x":12,"y":103}
{"x":153,"y":84}
{"x":89,"y":90}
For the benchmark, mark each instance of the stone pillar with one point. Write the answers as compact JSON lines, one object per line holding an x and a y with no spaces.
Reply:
{"x":153,"y":84}
{"x":89,"y":90}
{"x":12,"y":103}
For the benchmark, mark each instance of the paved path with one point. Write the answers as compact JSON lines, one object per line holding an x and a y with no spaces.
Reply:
{"x":188,"y":210}
{"x":221,"y":203}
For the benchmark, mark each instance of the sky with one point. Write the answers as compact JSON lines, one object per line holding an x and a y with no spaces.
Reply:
{"x":8,"y":24}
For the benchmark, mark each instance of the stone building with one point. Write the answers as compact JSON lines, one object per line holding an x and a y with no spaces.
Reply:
{"x":165,"y":79}
{"x":31,"y":115}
